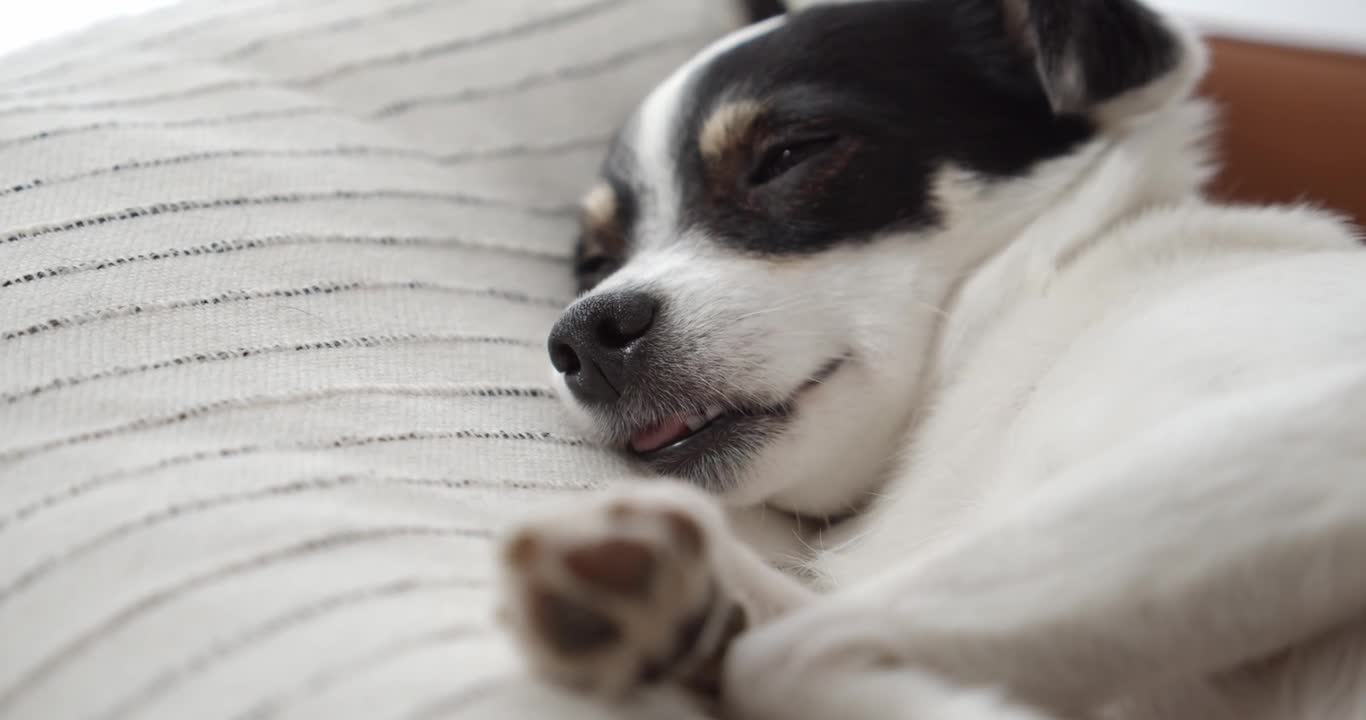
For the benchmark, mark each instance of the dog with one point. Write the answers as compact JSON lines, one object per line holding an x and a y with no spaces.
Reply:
{"x":963,"y":402}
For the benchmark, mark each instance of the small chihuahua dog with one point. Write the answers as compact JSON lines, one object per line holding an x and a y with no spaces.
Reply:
{"x":967,"y":404}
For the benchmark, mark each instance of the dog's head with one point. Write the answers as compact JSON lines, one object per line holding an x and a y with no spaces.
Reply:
{"x":776,"y":229}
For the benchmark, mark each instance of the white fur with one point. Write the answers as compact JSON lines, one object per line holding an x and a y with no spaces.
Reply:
{"x":1131,"y":438}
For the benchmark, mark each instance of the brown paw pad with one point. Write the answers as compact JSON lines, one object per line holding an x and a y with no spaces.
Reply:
{"x":616,"y":565}
{"x":570,"y":627}
{"x":521,"y":551}
{"x":686,"y":532}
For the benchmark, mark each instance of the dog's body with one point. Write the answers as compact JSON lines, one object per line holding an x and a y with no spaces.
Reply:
{"x":1163,"y":422}
{"x":1101,"y":444}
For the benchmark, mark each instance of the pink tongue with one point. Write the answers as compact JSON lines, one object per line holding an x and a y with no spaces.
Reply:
{"x":656,"y":437}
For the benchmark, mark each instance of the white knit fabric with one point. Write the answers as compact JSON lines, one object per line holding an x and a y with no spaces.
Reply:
{"x":275,"y":277}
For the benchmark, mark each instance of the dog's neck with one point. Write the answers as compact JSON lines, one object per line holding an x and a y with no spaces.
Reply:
{"x":1157,"y":161}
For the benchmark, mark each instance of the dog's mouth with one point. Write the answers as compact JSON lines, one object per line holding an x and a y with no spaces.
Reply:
{"x":673,"y":431}
{"x":685,"y":436}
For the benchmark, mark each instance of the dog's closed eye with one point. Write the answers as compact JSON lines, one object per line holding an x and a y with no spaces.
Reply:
{"x":782,"y":157}
{"x":593,"y":269}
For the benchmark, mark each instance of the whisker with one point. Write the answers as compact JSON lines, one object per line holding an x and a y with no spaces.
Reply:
{"x":941,"y":312}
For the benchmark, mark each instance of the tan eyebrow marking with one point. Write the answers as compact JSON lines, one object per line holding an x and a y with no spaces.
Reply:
{"x":726,"y":128}
{"x":600,"y":205}
{"x":601,"y":231}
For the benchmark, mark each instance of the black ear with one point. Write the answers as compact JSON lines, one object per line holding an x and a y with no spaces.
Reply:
{"x":1091,"y":51}
{"x":758,"y":10}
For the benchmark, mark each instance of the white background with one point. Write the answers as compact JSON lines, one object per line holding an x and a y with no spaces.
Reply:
{"x":1327,"y":24}
{"x":24,"y":22}
{"x":1334,"y":23}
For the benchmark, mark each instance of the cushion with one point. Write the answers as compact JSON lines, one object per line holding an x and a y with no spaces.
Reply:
{"x":275,"y":280}
{"x":1283,"y":138}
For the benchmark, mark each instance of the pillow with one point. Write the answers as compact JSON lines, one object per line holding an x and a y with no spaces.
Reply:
{"x":275,"y":280}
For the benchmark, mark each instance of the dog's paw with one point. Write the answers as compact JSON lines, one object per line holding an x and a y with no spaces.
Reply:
{"x":621,"y":594}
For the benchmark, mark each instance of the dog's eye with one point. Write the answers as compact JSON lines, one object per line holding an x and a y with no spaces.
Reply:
{"x":590,"y":265}
{"x":596,"y":265}
{"x":781,"y":158}
{"x":592,"y":270}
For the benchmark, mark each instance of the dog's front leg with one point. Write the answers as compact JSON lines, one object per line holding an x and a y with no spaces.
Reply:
{"x":1227,"y":534}
{"x":650,"y":586}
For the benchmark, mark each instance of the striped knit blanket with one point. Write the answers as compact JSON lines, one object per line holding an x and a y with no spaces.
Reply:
{"x":275,"y":277}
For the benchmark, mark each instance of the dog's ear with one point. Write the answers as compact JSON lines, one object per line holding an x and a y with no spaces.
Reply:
{"x":1088,"y":52}
{"x":758,"y":10}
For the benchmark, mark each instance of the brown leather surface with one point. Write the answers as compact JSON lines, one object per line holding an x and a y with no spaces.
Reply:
{"x":1294,"y":125}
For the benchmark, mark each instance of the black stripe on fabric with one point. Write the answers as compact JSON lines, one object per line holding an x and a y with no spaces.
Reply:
{"x":292,"y":198}
{"x":48,"y":90}
{"x":599,"y":66}
{"x":176,"y":33}
{"x":217,"y":356}
{"x":494,"y":152}
{"x":270,"y":241}
{"x":250,"y":48}
{"x":339,"y":151}
{"x":81,"y":489}
{"x":529,"y":28}
{"x":317,"y":289}
{"x":406,"y":57}
{"x":275,"y":705}
{"x":201,"y":24}
{"x":54,"y":562}
{"x":135,"y":704}
{"x":523,"y":149}
{"x":123,"y":102}
{"x":287,"y":113}
{"x":353,"y":22}
{"x":255,"y":402}
{"x":42,"y":672}
{"x":242,"y":51}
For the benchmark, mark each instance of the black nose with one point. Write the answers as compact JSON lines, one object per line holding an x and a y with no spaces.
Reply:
{"x":596,"y":343}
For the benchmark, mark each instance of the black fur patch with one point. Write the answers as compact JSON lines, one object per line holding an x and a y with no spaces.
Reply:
{"x":595,"y":260}
{"x":1117,"y":45}
{"x":896,"y":91}
{"x":759,"y":10}
{"x":864,"y":103}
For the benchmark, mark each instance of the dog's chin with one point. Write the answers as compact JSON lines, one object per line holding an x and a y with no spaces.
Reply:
{"x":710,"y":448}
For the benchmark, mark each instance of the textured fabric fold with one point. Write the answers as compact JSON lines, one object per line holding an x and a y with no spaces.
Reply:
{"x":275,"y":277}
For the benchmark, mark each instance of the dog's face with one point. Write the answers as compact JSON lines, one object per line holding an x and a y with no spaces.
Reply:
{"x":764,"y":260}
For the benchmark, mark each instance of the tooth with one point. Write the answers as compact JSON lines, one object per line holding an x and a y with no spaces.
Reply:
{"x":713,"y":412}
{"x":695,"y":422}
